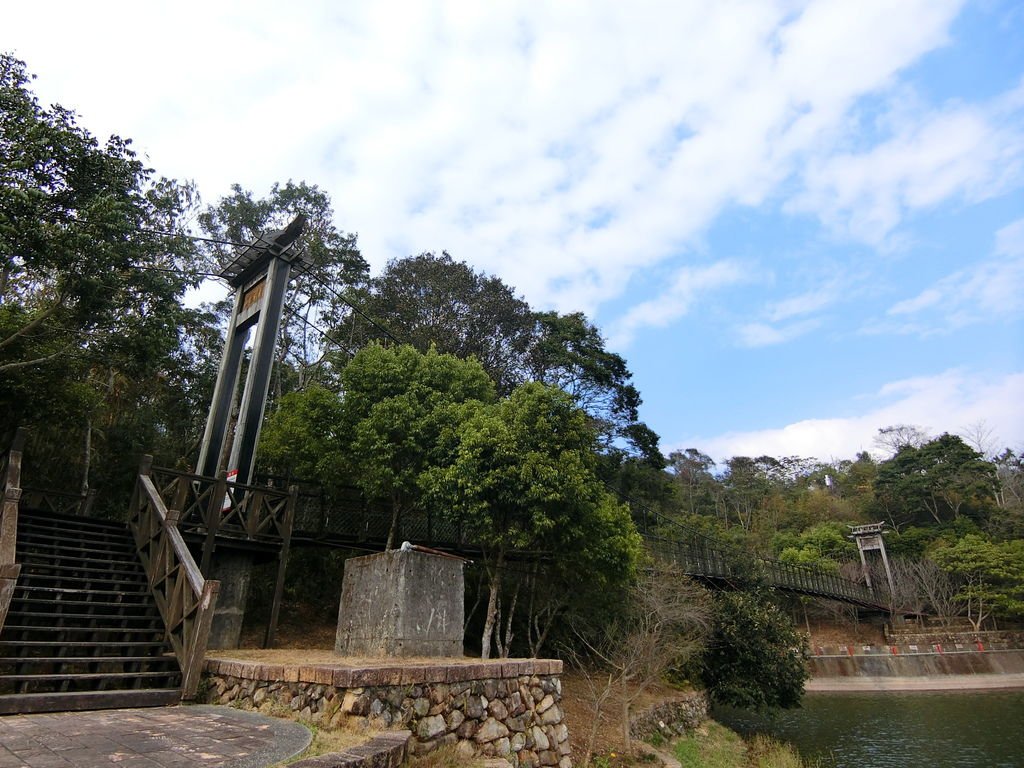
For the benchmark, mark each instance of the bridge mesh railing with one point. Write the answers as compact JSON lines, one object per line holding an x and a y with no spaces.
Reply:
{"x":347,"y":517}
{"x":698,"y":554}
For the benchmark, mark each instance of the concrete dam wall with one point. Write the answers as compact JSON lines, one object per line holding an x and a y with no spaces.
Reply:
{"x":1009,"y":662}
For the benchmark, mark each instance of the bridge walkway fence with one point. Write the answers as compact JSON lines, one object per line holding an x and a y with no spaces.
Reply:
{"x":348,"y":519}
{"x":698,"y":554}
{"x":264,"y":516}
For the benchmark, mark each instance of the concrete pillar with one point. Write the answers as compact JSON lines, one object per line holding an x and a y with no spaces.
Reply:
{"x":234,"y":571}
{"x":401,"y":603}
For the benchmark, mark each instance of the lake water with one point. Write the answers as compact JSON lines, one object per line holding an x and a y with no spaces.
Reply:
{"x":902,"y":730}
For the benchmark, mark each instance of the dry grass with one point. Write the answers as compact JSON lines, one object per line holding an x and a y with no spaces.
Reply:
{"x":327,"y":740}
{"x":445,"y":757}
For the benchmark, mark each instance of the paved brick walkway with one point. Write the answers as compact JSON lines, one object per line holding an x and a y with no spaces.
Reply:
{"x":149,"y":738}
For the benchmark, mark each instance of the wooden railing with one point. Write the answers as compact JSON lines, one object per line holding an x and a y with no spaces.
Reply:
{"x":225,"y":513}
{"x":10,"y":476}
{"x":186,"y":600}
{"x":217,"y":508}
{"x":57,"y":502}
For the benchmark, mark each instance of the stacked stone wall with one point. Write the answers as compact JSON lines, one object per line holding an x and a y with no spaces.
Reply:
{"x":510,"y":710}
{"x":1001,"y":640}
{"x":671,"y":718}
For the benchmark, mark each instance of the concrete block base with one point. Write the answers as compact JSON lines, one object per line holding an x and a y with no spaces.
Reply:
{"x":401,"y":604}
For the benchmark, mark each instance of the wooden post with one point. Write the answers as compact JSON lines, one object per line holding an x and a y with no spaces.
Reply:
{"x":213,"y":514}
{"x":192,"y":667}
{"x":254,"y":504}
{"x":177,"y":507}
{"x":282,"y":566}
{"x":11,"y":498}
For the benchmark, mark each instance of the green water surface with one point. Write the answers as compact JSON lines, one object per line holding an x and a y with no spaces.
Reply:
{"x":904,"y":730}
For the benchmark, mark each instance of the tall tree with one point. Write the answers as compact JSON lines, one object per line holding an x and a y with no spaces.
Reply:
{"x":570,"y":353}
{"x":943,"y":479}
{"x":398,"y":411}
{"x":90,"y":284}
{"x":434,"y":300}
{"x":430,"y":300}
{"x":699,"y":491}
{"x":523,"y":478}
{"x":991,"y":574}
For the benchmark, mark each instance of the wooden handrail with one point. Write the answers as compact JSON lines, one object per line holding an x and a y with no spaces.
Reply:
{"x":186,"y":600}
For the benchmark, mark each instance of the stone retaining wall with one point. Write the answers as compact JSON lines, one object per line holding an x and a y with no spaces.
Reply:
{"x":508,"y":709}
{"x":910,"y":649}
{"x":671,"y":718}
{"x":938,"y":635}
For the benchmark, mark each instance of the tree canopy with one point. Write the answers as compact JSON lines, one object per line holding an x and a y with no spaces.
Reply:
{"x":430,"y":300}
{"x":754,"y":658}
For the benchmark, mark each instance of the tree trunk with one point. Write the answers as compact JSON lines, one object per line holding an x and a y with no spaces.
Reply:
{"x":396,"y":506}
{"x":626,"y":738}
{"x":492,"y":604}
{"x":595,"y":724}
{"x":476,"y":603}
{"x":86,"y":456}
{"x":505,"y":642}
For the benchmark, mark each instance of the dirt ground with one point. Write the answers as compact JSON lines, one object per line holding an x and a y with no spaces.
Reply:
{"x":578,"y":703}
{"x":861,"y":634}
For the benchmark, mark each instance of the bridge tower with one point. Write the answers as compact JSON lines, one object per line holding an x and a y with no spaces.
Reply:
{"x":259,"y":276}
{"x":869,"y":539}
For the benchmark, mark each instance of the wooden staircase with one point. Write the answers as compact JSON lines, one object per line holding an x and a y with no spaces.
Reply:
{"x":83,"y":630}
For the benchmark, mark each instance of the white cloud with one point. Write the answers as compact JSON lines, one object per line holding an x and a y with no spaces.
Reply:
{"x":942,"y":403}
{"x":960,"y":152}
{"x":687,"y":287}
{"x":563,"y":146}
{"x":765,"y":335}
{"x":788,"y":319}
{"x":993,"y":288}
{"x":804,"y":303}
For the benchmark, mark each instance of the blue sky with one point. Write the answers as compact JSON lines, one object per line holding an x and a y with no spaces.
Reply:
{"x":798,"y":221}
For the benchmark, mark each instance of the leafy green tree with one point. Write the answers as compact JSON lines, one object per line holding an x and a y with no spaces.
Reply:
{"x":430,"y":300}
{"x":434,"y":300}
{"x":943,"y":479}
{"x":699,"y":490}
{"x":569,"y":353}
{"x":825,"y":545}
{"x":755,"y":658}
{"x":991,"y":573}
{"x":399,"y":410}
{"x":1009,"y":494}
{"x":90,"y":316}
{"x":748,"y":484}
{"x":303,"y":437}
{"x":523,"y":478}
